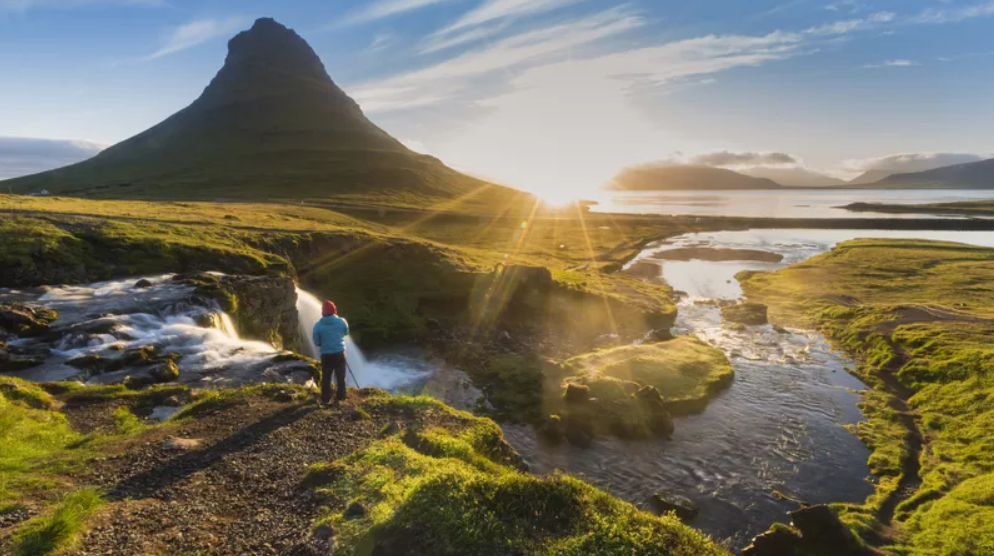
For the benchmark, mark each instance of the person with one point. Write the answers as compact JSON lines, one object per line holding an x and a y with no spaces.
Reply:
{"x":329,"y":338}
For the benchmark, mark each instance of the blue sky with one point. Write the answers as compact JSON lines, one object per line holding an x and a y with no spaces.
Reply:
{"x":544,"y":94}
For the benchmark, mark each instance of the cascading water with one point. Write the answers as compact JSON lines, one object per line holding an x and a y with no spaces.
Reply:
{"x":390,"y":372}
{"x":107,"y":319}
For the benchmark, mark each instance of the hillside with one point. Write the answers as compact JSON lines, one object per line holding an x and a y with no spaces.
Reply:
{"x":794,"y":176}
{"x":271,"y":125}
{"x":652,"y":177}
{"x":972,"y":175}
{"x":870,"y":176}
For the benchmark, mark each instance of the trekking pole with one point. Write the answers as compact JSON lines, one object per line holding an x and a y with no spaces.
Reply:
{"x":349,"y":367}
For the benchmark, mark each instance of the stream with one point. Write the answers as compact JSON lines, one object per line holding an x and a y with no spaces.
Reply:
{"x":780,"y":427}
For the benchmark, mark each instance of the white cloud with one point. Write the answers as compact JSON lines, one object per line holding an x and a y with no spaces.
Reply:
{"x":955,"y":14}
{"x":492,"y":10}
{"x":726,"y":158}
{"x":386,"y":8}
{"x":25,"y":5}
{"x":195,"y":33}
{"x":440,"y":81}
{"x":21,"y":156}
{"x":900,"y":63}
{"x":381,"y":41}
{"x":437,"y":43}
{"x":850,"y":25}
{"x":910,"y":162}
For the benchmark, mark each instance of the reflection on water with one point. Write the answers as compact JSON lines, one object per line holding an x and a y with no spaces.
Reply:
{"x":790,"y":203}
{"x":778,"y":428}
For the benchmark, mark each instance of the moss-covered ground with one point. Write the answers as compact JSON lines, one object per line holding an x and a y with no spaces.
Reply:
{"x":441,"y":491}
{"x":918,"y":317}
{"x":686,"y":371}
{"x":444,"y":482}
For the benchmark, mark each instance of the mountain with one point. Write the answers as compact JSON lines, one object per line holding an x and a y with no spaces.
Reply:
{"x":271,"y":125}
{"x":870,"y":176}
{"x":793,"y":176}
{"x":971,"y":175}
{"x":651,"y":177}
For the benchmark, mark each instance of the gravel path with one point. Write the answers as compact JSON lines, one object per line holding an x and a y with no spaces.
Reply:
{"x":232,"y":486}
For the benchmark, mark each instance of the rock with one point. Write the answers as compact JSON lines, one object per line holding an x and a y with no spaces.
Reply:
{"x":815,"y":531}
{"x":750,"y":314}
{"x":286,"y":396}
{"x":24,"y":320}
{"x":13,"y":363}
{"x":172,"y":401}
{"x":355,"y":511}
{"x":165,"y":372}
{"x":552,"y":429}
{"x":577,"y":393}
{"x":264,"y":308}
{"x":96,"y":364}
{"x":143,"y":283}
{"x":685,"y":510}
{"x":184,"y":444}
{"x":780,"y":330}
{"x":820,"y":526}
{"x":392,"y":428}
{"x":140,"y":356}
{"x":272,"y":375}
{"x":578,"y":433}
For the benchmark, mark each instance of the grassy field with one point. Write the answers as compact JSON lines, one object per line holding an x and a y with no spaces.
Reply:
{"x":918,"y":317}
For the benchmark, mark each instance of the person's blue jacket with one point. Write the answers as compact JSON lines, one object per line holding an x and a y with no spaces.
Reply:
{"x":329,"y":334}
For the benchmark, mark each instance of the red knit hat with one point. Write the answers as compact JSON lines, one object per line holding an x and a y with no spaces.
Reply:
{"x":328,"y":308}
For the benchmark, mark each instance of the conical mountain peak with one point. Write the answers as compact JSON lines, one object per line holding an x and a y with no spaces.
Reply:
{"x":270,"y":44}
{"x":272,"y":125}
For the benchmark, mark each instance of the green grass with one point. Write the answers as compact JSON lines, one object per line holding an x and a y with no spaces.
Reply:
{"x":921,"y":312}
{"x":448,"y":498}
{"x":59,"y":529}
{"x":38,"y":443}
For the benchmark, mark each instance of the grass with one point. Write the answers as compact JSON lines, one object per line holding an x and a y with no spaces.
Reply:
{"x":59,"y":529}
{"x":918,"y":314}
{"x":686,"y":371}
{"x":446,"y":497}
{"x":38,"y":443}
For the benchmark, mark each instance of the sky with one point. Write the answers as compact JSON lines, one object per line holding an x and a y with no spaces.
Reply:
{"x":553,"y":96}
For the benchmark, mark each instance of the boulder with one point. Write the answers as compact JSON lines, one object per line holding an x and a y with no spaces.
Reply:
{"x":167,"y":371}
{"x":552,"y":429}
{"x":577,"y":393}
{"x":143,"y":283}
{"x":392,"y":428}
{"x":355,"y":511}
{"x":578,"y":432}
{"x":24,"y":320}
{"x":814,"y":531}
{"x":664,"y":502}
{"x":820,"y":526}
{"x":140,"y":356}
{"x":96,"y":364}
{"x":749,"y":314}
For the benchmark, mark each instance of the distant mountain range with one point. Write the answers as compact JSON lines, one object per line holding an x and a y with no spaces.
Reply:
{"x":790,"y":176}
{"x":665,"y":176}
{"x":651,"y":177}
{"x":270,"y":125}
{"x":972,"y":175}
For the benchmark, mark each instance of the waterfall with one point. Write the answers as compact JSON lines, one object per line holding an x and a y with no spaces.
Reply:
{"x":383,"y":373}
{"x":308,"y":313}
{"x":227,"y":325}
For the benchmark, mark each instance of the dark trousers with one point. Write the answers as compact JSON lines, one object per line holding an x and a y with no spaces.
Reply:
{"x":332,"y":363}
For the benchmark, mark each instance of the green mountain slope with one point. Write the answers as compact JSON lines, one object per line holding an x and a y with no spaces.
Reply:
{"x":972,"y":175}
{"x":271,"y":125}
